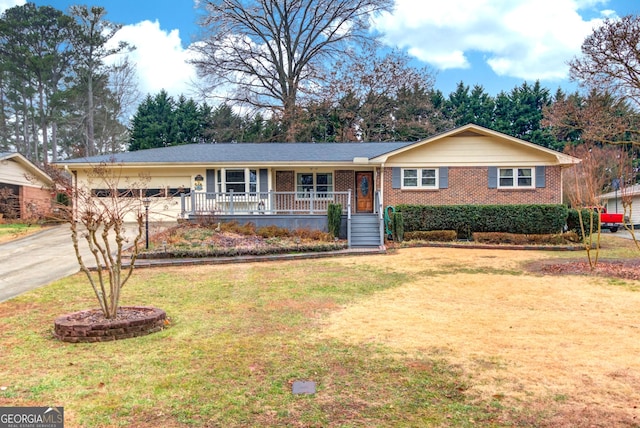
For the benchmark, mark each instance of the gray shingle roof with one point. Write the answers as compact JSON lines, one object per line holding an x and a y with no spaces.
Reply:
{"x":249,"y":152}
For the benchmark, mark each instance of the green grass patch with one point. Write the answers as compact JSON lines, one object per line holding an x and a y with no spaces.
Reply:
{"x":16,"y":230}
{"x":240,"y":335}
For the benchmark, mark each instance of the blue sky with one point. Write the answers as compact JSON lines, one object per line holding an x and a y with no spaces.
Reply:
{"x":498,"y":44}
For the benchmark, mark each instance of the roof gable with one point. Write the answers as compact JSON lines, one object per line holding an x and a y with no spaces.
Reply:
{"x":474,"y":145}
{"x":27,"y":165}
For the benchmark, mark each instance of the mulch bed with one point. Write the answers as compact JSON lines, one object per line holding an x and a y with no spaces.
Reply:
{"x":624,"y":269}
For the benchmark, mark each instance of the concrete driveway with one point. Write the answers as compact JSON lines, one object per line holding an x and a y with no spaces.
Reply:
{"x":39,"y":259}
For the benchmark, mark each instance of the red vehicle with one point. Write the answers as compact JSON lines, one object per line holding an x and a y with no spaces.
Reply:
{"x":610,"y":221}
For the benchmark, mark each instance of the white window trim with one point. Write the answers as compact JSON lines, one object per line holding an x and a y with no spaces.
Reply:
{"x":515,"y":178}
{"x":419,"y":179}
{"x":221,"y":181}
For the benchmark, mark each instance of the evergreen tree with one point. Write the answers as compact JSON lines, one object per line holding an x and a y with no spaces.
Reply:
{"x":187,"y":122}
{"x":152,"y":123}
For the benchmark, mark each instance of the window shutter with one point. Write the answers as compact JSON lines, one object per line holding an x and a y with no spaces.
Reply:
{"x":540,"y":176}
{"x":493,"y":177}
{"x":211,"y":183}
{"x":443,"y":177}
{"x":264,"y":183}
{"x":396,"y":180}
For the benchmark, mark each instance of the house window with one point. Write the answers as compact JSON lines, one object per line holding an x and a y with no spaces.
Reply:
{"x":238,"y":180}
{"x":420,"y":178}
{"x":320,"y":183}
{"x":159,"y":192}
{"x":515,"y":177}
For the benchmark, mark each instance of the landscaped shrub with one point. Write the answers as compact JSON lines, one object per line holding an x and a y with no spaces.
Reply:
{"x":467,"y":219}
{"x":313,"y":234}
{"x":243,"y":229}
{"x":431,"y":235}
{"x":334,"y":218}
{"x":524,"y":239}
{"x":397,"y":221}
{"x":273,"y":232}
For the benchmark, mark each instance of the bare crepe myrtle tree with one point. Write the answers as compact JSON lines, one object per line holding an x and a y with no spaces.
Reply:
{"x":585,"y":182}
{"x":98,"y":211}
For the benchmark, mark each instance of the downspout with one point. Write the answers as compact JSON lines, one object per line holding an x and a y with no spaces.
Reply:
{"x":381,"y":205}
{"x":75,"y":207}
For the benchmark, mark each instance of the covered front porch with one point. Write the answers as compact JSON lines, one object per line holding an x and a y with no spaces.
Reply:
{"x":249,"y":203}
{"x":292,"y":210}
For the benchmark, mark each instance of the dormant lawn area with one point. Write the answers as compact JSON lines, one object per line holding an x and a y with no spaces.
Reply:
{"x":419,"y":337}
{"x":11,"y":231}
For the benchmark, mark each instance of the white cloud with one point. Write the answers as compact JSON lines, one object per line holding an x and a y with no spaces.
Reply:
{"x":160,"y":59}
{"x":526,"y":39}
{"x":7,"y":4}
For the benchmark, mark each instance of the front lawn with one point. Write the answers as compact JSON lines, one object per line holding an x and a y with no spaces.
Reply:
{"x":420,"y":337}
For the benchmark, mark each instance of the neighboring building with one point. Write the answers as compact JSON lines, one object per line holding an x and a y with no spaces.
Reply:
{"x":25,"y":190}
{"x":467,"y":165}
{"x":613,"y":202}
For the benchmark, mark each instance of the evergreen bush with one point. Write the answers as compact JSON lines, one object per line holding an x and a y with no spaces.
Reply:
{"x":398,"y":226}
{"x":467,"y":219}
{"x":334,"y":218}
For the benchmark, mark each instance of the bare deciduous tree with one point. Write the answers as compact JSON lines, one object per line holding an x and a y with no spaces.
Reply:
{"x":598,"y":117}
{"x":97,"y":216}
{"x":377,"y":90}
{"x":611,"y":58}
{"x":583,"y":184}
{"x":270,"y":52}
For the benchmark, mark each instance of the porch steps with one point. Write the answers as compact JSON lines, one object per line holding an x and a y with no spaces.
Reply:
{"x":365,"y":231}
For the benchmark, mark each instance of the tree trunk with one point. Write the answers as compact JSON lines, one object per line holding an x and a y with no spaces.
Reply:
{"x":90,"y":136}
{"x":43,"y":126}
{"x":54,"y":142}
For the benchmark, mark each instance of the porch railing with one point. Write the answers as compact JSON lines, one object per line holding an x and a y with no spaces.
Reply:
{"x":241,"y":203}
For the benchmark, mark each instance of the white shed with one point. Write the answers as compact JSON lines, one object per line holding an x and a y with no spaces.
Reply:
{"x":613,"y":202}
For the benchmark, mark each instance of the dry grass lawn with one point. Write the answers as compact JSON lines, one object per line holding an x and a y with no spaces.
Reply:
{"x":566,"y":344}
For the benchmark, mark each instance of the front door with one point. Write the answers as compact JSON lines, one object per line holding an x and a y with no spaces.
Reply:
{"x":364,"y":192}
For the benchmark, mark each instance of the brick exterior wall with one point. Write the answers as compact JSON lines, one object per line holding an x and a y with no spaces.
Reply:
{"x":285,"y":181}
{"x":470,"y":186}
{"x":345,"y":180}
{"x":34,"y":202}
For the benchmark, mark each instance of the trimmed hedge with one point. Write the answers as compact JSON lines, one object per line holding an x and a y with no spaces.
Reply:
{"x":522,"y":239}
{"x":467,"y":219}
{"x":431,"y":235}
